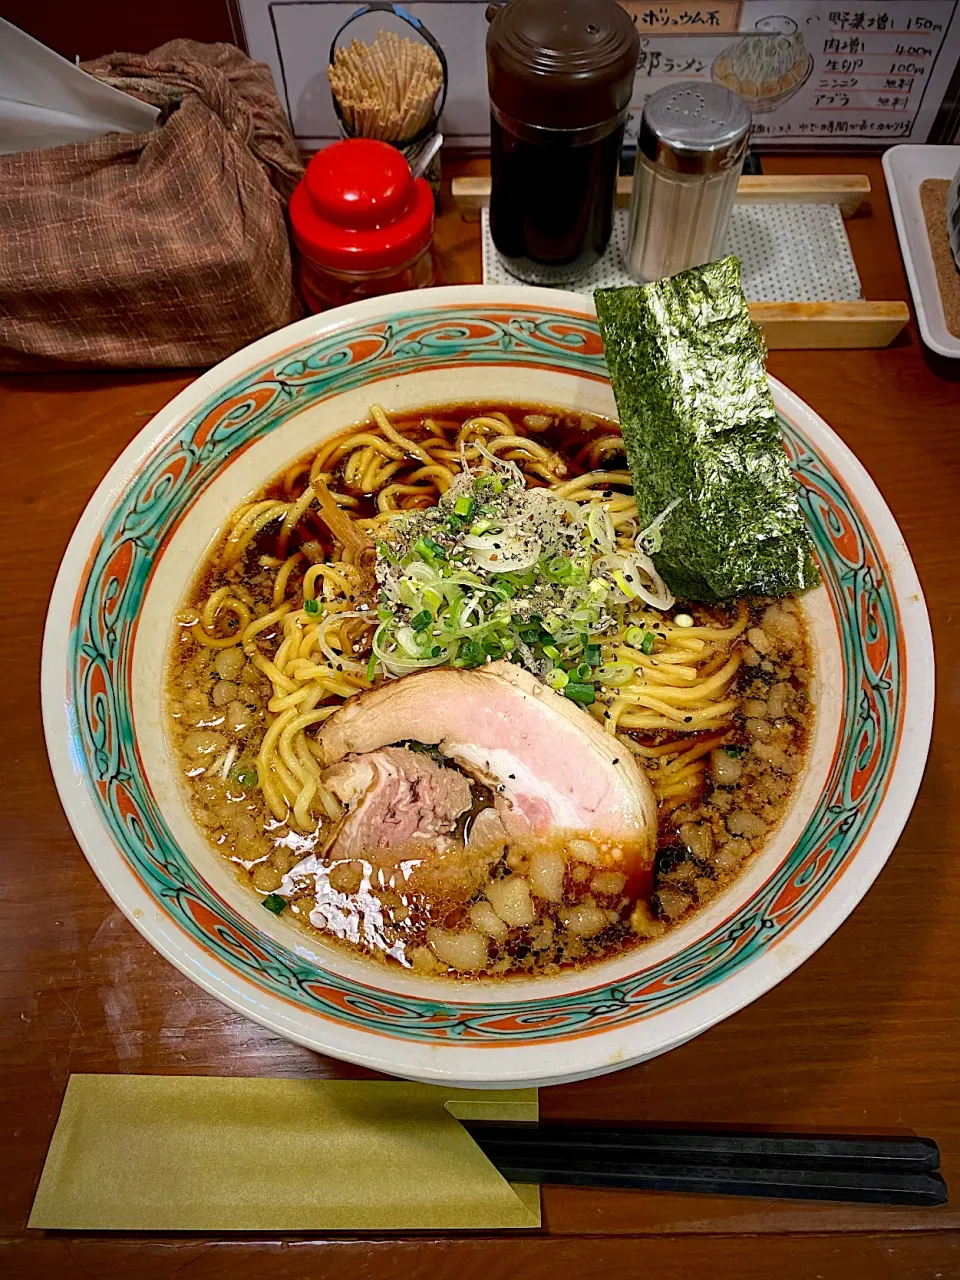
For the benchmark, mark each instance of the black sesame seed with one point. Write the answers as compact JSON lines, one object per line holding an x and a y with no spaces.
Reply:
{"x":616,"y":760}
{"x":687,"y":719}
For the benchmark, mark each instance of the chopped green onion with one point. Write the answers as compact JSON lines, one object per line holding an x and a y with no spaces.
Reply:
{"x":650,"y":540}
{"x":408,"y":642}
{"x":274,"y":903}
{"x":562,"y":571}
{"x":557,"y":678}
{"x":624,"y":586}
{"x":371,"y":668}
{"x":471,"y":655}
{"x":615,"y":673}
{"x":735,"y":751}
{"x":683,"y":620}
{"x":443,"y":604}
{"x":452,"y":619}
{"x":583,"y":694}
{"x":312,"y":606}
{"x":246,"y":778}
{"x":428,"y":550}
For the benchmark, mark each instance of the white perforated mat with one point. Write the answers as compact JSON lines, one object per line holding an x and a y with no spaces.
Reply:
{"x":789,"y":252}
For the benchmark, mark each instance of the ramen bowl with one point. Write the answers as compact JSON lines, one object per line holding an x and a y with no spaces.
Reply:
{"x":132,"y":559}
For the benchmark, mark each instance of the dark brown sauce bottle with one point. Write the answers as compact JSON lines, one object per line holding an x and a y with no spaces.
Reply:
{"x":560,"y":74}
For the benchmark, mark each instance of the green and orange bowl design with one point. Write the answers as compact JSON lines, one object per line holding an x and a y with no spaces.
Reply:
{"x":102,"y":706}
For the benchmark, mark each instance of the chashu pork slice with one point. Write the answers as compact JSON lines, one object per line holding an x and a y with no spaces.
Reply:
{"x":399,"y":829}
{"x":393,"y":797}
{"x":398,"y":833}
{"x":552,"y":766}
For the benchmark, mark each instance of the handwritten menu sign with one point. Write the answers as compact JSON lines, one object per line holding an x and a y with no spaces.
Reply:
{"x":874,"y":71}
{"x":817,"y":72}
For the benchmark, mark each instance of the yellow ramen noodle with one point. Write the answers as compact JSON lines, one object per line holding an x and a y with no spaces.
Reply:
{"x":279,"y":627}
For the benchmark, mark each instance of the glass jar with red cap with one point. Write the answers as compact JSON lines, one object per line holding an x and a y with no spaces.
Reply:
{"x":363,"y":225}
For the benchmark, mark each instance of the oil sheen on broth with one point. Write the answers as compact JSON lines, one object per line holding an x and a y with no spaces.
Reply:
{"x":277,"y":633}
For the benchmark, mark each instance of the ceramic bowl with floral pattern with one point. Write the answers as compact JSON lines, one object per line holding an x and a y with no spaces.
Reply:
{"x":131,"y":560}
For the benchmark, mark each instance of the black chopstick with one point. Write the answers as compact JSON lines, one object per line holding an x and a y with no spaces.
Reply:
{"x":866,"y":1170}
{"x":889,"y":1155}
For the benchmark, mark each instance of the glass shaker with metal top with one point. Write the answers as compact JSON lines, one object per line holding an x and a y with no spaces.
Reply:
{"x":561,"y":74}
{"x":690,"y":153}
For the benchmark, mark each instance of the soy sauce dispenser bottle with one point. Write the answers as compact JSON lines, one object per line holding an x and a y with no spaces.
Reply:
{"x":560,"y":74}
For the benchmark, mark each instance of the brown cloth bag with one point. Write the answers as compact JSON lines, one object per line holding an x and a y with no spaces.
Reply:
{"x":162,"y":249}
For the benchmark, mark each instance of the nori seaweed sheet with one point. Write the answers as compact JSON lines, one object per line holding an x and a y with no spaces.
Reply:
{"x":698,"y":421}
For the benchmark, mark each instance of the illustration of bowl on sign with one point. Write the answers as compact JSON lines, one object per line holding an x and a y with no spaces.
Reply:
{"x":767,"y":66}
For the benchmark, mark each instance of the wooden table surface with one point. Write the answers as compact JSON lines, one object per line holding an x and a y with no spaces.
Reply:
{"x":864,"y":1037}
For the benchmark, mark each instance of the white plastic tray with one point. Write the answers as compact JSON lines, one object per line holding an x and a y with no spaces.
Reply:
{"x":905,"y":167}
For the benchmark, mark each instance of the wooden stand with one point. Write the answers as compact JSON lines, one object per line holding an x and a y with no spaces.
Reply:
{"x":785,"y":325}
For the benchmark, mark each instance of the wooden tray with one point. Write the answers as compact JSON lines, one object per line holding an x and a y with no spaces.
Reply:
{"x":785,"y":324}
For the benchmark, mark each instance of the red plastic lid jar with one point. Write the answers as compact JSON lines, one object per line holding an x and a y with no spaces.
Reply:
{"x":359,"y":211}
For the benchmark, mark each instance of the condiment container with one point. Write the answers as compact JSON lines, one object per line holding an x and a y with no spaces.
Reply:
{"x":560,"y":74}
{"x":690,"y":152}
{"x":363,"y":225}
{"x":393,"y":89}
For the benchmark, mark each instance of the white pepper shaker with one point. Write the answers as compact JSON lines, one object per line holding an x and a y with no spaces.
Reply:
{"x":690,"y":152}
